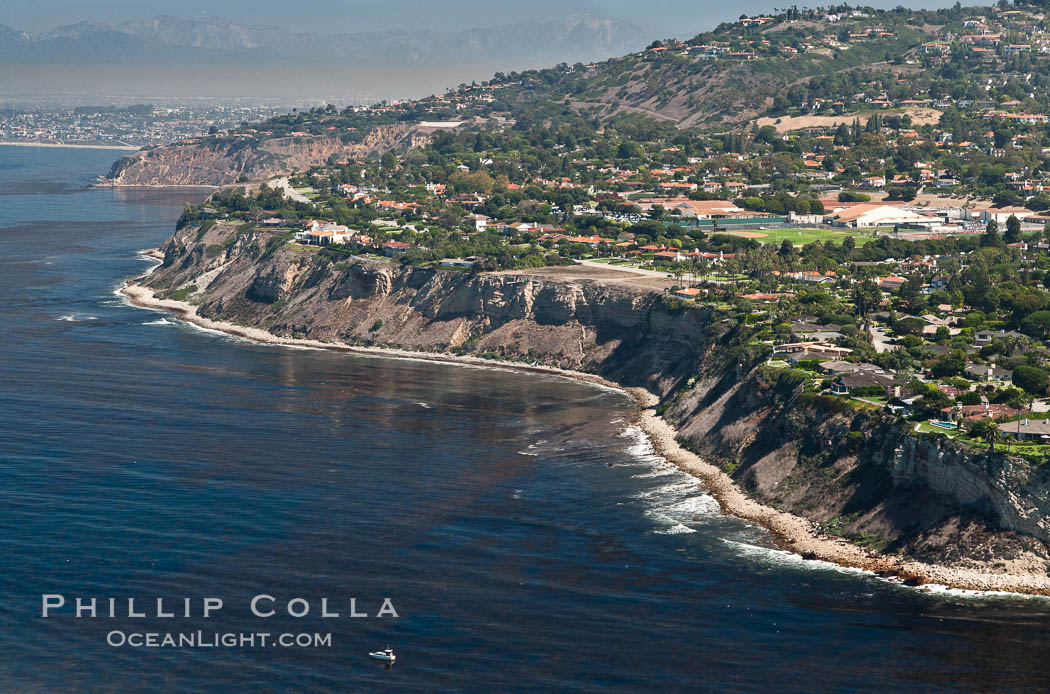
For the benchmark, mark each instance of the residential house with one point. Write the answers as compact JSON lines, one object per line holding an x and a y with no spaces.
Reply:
{"x":318,"y":233}
{"x":395,"y":248}
{"x":988,"y":372}
{"x":971,"y":413}
{"x":891,"y":283}
{"x":847,"y":383}
{"x":479,"y":221}
{"x":1028,"y":430}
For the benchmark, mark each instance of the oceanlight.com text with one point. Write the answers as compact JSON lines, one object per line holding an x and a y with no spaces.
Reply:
{"x":202,"y":639}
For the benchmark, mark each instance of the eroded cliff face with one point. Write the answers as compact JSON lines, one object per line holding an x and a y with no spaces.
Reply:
{"x":633,"y":337}
{"x":222,"y":163}
{"x":863,"y":474}
{"x":858,"y":473}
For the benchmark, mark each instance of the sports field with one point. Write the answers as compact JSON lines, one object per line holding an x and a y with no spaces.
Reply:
{"x":801,"y":237}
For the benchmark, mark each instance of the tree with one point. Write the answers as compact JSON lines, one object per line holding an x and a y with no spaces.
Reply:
{"x":947,"y":365}
{"x":1013,"y":230}
{"x":909,"y":326}
{"x":911,"y":293}
{"x":1031,"y":379}
{"x":787,"y":249}
{"x":1006,"y":198}
{"x":990,"y":239}
{"x":932,"y":402}
{"x":1036,"y":324}
{"x":1010,"y":396}
{"x":986,"y":430}
{"x":866,"y":297}
{"x":629,"y":150}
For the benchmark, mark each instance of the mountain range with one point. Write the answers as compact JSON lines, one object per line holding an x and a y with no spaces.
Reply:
{"x":221,"y":44}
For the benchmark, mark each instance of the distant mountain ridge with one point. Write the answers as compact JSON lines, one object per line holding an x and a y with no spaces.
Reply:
{"x":578,"y":37}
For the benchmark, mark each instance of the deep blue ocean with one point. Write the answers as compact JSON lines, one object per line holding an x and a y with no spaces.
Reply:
{"x":525,"y":535}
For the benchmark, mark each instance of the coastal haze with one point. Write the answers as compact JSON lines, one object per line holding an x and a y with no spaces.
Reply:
{"x":527,"y":535}
{"x":343,"y":52}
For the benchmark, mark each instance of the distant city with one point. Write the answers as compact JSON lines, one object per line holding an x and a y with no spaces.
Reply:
{"x":121,"y":122}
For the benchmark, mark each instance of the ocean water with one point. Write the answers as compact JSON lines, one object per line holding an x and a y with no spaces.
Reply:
{"x":525,"y":534}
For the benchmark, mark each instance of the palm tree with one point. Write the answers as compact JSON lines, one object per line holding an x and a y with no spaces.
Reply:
{"x":988,"y":431}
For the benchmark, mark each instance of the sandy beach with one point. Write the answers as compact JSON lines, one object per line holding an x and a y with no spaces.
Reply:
{"x":108,"y":184}
{"x":792,"y":533}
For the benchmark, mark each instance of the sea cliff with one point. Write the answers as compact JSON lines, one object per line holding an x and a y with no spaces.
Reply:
{"x":815,"y":469}
{"x":226,"y":161}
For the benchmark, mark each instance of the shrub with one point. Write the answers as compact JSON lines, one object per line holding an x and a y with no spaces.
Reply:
{"x":868,"y":392}
{"x":181,"y":294}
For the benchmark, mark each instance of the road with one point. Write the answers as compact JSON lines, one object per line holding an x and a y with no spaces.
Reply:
{"x":290,"y":192}
{"x":880,"y":340}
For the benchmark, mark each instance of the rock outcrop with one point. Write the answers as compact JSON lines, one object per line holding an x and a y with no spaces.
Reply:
{"x":223,"y":161}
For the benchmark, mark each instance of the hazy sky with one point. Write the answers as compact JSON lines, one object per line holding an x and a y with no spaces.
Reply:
{"x":681,"y":18}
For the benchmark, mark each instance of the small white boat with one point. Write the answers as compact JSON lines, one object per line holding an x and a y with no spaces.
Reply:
{"x":386,"y":656}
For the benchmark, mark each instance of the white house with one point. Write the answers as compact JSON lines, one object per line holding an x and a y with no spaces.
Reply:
{"x":479,"y":221}
{"x":319,"y":233}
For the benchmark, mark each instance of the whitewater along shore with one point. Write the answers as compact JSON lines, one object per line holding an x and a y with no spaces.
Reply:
{"x":791,"y":532}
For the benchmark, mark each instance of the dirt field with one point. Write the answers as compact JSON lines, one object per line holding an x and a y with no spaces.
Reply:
{"x":935,"y":200}
{"x":919,"y":116}
{"x":575,"y":273}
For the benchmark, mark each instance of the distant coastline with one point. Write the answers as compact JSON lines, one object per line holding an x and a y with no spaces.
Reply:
{"x":59,"y":145}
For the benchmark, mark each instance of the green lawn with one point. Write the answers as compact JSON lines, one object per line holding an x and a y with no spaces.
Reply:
{"x":927,"y":428}
{"x":801,"y":237}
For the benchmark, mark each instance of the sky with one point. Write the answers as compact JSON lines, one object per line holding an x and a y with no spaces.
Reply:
{"x":679,"y":18}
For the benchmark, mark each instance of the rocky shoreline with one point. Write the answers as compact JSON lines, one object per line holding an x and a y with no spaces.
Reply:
{"x":792,"y":533}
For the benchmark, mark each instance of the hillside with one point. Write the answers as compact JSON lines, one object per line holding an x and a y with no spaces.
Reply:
{"x":798,"y":69}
